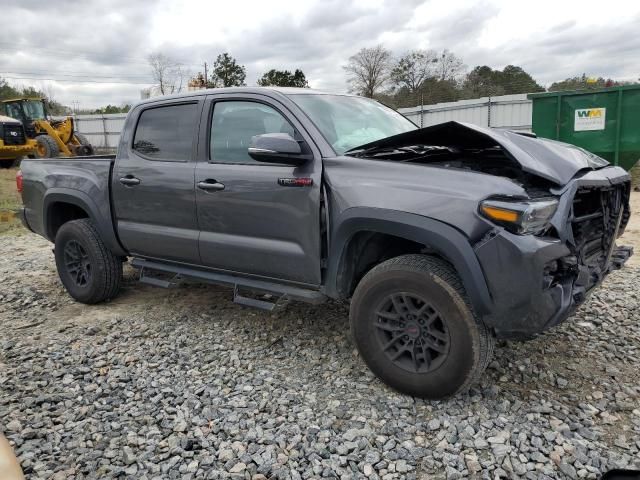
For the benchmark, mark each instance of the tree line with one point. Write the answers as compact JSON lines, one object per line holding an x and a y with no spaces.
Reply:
{"x":428,"y":76}
{"x":9,"y":91}
{"x":415,"y":77}
{"x":54,"y":107}
{"x":412,"y":78}
{"x":171,"y":77}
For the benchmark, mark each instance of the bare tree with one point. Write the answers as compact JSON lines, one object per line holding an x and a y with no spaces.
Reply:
{"x":414,"y":68}
{"x":49,"y":91}
{"x":168,"y":74}
{"x":369,"y":70}
{"x":449,"y":65}
{"x":53,"y":107}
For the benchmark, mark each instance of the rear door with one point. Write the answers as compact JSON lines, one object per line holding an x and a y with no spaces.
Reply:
{"x":153,"y":183}
{"x":256,"y":222}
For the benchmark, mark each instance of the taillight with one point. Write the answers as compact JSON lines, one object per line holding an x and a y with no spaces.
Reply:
{"x":19,"y":183}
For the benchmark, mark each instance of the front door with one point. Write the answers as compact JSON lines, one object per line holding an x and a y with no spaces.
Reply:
{"x":254,"y":221}
{"x":153,"y":184}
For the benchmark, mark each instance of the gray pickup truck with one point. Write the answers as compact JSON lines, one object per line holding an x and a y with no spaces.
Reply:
{"x":443,"y":238}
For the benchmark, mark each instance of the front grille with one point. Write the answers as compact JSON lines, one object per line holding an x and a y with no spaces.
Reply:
{"x":13,"y":135}
{"x":597,"y":213}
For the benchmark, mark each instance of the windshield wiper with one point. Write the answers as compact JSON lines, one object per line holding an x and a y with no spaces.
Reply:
{"x":360,"y":152}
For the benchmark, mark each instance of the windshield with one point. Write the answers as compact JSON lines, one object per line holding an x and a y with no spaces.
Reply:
{"x":348,"y":122}
{"x":34,"y":109}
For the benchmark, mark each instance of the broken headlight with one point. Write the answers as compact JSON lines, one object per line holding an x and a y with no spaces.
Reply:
{"x":521,"y":217}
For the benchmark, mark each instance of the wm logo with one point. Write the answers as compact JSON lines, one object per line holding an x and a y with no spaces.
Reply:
{"x":590,"y":113}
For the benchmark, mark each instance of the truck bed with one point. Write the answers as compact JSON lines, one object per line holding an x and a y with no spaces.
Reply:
{"x":46,"y":180}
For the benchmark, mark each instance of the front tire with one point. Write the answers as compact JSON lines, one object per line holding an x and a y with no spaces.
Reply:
{"x":89,"y":271}
{"x":415,"y":329}
{"x":47,"y":147}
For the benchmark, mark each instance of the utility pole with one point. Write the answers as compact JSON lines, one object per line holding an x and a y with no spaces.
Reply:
{"x":206,"y":81}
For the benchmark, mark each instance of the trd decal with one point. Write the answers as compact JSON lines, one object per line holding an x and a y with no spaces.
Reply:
{"x":295,"y":182}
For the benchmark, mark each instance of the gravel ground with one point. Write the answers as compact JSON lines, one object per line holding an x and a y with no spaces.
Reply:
{"x":185,"y":384}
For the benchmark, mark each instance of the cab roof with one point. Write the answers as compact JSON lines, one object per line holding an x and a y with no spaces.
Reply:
{"x":270,"y":91}
{"x":19,"y":99}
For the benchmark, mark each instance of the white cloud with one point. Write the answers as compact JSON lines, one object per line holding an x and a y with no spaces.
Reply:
{"x":108,"y":40}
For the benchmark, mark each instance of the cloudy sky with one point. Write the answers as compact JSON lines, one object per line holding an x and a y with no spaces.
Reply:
{"x":94,"y":51}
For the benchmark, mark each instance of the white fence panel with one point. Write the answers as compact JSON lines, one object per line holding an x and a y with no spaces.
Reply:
{"x":512,"y":112}
{"x":102,"y":131}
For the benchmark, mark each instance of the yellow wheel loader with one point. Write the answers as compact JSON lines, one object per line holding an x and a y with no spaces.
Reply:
{"x":14,"y":143}
{"x":53,"y":137}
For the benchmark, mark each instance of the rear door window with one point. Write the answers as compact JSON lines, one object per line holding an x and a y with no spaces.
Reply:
{"x":166,"y":133}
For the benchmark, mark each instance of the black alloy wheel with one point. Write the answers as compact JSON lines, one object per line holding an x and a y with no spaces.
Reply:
{"x":77,"y":263}
{"x":89,"y":271}
{"x":411,"y":333}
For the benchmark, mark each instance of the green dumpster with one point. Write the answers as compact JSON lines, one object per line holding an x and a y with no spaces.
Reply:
{"x":605,"y":121}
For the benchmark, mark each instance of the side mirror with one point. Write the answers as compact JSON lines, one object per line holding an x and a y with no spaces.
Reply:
{"x":277,"y":148}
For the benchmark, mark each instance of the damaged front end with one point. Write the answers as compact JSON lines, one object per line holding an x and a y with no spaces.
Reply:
{"x":575,"y":208}
{"x":537,"y":281}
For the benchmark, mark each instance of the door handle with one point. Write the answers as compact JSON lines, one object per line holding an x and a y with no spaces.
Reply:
{"x":211,"y":185}
{"x":130,"y":181}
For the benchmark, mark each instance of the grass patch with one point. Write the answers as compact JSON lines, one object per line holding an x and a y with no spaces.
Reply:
{"x":10,"y":201}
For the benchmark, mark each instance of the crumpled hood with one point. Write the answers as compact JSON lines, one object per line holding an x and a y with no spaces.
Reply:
{"x":555,"y":161}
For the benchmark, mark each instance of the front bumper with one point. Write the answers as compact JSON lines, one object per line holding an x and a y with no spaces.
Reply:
{"x":528,"y":297}
{"x":11,"y":152}
{"x":537,"y":282}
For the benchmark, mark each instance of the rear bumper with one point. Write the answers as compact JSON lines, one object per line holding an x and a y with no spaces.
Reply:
{"x":537,"y":282}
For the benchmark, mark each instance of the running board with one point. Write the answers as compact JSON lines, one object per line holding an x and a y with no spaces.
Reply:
{"x":145,"y":277}
{"x":261,"y":286}
{"x":252,"y":302}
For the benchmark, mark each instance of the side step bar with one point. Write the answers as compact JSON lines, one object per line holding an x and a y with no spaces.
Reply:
{"x":149,"y":279}
{"x":261,"y":286}
{"x":156,"y":282}
{"x":253,"y":302}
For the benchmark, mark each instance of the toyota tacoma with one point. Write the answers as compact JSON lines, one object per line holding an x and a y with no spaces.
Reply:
{"x":443,"y":238}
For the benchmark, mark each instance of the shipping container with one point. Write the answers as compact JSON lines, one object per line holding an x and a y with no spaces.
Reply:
{"x":604,"y":121}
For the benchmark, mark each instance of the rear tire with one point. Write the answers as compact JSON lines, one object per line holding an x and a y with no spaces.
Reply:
{"x":47,"y":147}
{"x":82,"y":139}
{"x":416,"y":330}
{"x":89,"y":271}
{"x":89,"y":150}
{"x":6,"y":163}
